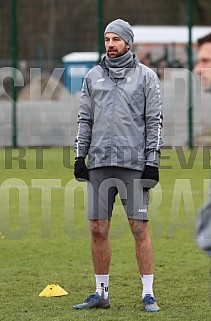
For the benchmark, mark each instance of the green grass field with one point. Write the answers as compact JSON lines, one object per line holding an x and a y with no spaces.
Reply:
{"x":44,"y":239}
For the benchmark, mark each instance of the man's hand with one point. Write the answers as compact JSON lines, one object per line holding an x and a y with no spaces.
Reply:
{"x":80,"y":169}
{"x":150,"y":176}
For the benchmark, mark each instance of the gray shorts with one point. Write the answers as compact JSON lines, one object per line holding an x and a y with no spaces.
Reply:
{"x":103,"y":186}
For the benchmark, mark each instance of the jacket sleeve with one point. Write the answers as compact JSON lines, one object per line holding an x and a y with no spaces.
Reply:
{"x":85,"y":121}
{"x":153,"y":120}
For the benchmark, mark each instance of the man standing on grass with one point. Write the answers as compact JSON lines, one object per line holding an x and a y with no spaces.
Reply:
{"x":203,"y":69}
{"x":120,"y":122}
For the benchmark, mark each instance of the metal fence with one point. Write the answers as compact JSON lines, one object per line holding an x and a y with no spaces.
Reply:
{"x":38,"y":33}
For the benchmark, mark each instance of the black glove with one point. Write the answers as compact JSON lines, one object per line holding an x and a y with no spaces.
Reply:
{"x":150,"y":176}
{"x":80,"y":169}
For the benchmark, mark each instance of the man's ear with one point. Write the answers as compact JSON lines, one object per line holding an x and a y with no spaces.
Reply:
{"x":128,"y":47}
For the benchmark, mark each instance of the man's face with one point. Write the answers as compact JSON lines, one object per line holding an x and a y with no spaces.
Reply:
{"x":203,"y":65}
{"x":114,"y":45}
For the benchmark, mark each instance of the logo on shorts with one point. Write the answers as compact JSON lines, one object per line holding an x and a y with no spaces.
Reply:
{"x":142,"y":210}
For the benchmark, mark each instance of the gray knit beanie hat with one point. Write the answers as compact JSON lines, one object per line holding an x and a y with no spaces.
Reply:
{"x":122,"y":29}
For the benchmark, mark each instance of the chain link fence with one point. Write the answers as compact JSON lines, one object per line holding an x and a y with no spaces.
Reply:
{"x":47,"y":30}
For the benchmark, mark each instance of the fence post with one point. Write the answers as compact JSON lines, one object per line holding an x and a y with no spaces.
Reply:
{"x":100,"y":28}
{"x":13,"y":45}
{"x":190,"y":67}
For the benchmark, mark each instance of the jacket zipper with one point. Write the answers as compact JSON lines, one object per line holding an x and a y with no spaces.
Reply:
{"x":112,"y":121}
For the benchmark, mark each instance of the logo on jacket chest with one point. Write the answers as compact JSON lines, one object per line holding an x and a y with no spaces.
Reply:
{"x":101,"y":80}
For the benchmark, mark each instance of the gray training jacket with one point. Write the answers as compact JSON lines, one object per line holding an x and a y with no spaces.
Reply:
{"x":120,"y":117}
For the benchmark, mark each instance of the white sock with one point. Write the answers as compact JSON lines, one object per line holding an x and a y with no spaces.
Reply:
{"x":102,"y":285}
{"x":147,"y":281}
